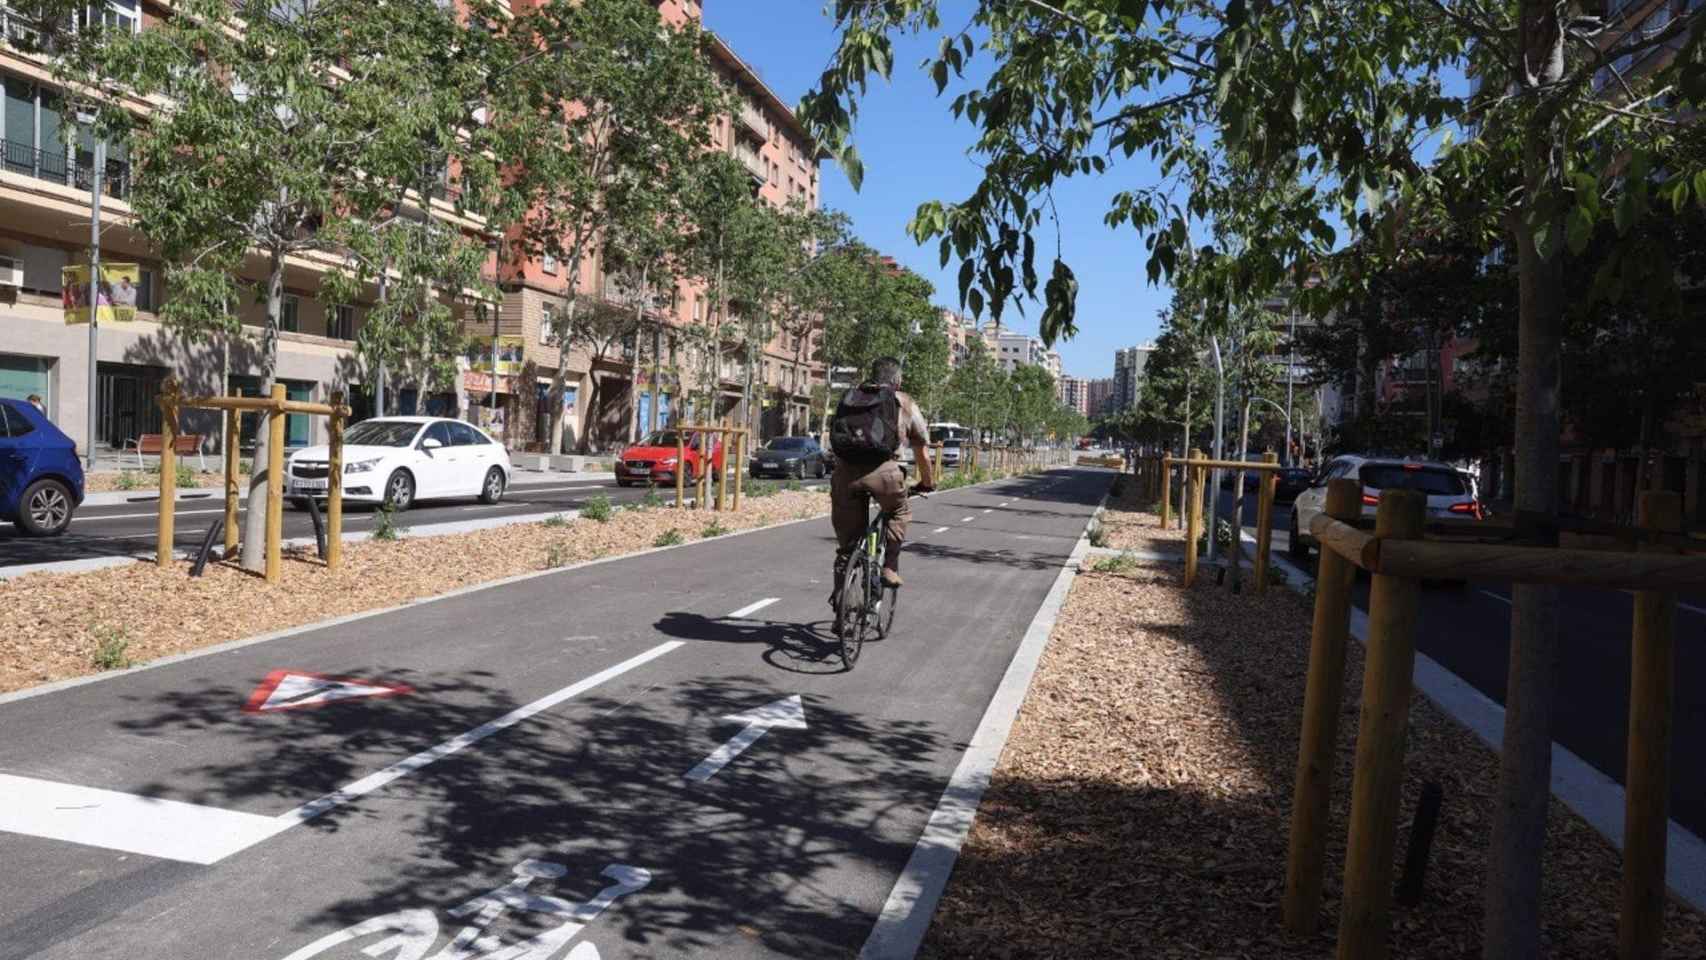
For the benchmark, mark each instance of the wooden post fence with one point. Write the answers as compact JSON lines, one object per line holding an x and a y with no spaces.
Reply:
{"x":740,"y":466}
{"x":1193,"y":519}
{"x":680,"y":467}
{"x":275,"y":406}
{"x":1393,"y":606}
{"x":1166,"y":491}
{"x":1651,"y":692}
{"x":1265,"y":520}
{"x":1312,"y":795}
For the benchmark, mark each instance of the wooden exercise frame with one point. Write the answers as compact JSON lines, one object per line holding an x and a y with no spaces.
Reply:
{"x":172,"y":401}
{"x":727,"y":436}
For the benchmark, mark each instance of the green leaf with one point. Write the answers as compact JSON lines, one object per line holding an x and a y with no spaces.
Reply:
{"x":1579,"y":229}
{"x":1624,"y":214}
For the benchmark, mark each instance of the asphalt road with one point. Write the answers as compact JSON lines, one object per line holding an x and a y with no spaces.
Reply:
{"x":128,"y":528}
{"x":1467,"y":630}
{"x":546,"y":743}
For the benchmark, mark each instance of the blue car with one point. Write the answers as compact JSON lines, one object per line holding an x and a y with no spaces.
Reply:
{"x":41,"y":482}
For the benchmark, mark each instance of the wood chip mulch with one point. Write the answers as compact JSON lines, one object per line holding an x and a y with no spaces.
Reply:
{"x":1141,"y":807}
{"x":50,"y":623}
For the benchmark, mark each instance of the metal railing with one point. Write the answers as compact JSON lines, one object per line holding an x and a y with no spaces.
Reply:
{"x":56,"y":166}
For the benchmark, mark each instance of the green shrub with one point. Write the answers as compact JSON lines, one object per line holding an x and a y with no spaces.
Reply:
{"x":651,"y":499}
{"x":385,"y":525}
{"x":1120,"y":564}
{"x":766,"y":488}
{"x":597,"y":508}
{"x":1098,"y":536}
{"x":713,"y":529}
{"x":668,"y":538}
{"x":112,"y":645}
{"x":129,"y":480}
{"x":793,"y":484}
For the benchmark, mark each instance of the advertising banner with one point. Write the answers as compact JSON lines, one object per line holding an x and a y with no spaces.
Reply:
{"x":116,"y":296}
{"x":510,"y":350}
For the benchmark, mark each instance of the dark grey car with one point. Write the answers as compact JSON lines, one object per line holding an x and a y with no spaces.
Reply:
{"x":790,"y":457}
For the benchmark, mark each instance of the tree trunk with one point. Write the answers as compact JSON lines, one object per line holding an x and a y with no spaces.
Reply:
{"x":560,"y":379}
{"x":1511,"y":919}
{"x":253,"y":552}
{"x":1236,"y":553}
{"x":593,"y":421}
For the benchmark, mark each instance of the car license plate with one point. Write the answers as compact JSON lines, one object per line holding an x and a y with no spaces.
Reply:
{"x":768,"y":464}
{"x":320,"y":484}
{"x":644,"y":468}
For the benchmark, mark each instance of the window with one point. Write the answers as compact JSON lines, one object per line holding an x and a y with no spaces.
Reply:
{"x":343,"y":322}
{"x":290,"y":314}
{"x":547,"y":322}
{"x":462,"y":435}
{"x":548,"y":264}
{"x":439,"y":431}
{"x":13,"y":423}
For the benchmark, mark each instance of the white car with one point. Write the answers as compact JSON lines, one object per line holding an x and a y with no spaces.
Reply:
{"x":398,"y":460}
{"x":1450,"y":492}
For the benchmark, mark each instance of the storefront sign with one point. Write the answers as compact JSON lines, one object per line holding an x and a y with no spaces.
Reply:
{"x":116,"y":295}
{"x":475,"y":381}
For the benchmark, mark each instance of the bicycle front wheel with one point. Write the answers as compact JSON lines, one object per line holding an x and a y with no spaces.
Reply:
{"x":853,"y":618}
{"x":885,"y":613}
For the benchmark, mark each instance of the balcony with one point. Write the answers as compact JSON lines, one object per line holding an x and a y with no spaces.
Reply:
{"x":754,"y":164}
{"x":753,"y":122}
{"x":56,"y":166}
{"x":18,"y":31}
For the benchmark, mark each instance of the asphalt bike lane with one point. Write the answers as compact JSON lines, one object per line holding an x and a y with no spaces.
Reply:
{"x":584,"y":806}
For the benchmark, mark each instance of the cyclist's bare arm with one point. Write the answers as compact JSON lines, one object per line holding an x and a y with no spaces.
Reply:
{"x":926,"y":469}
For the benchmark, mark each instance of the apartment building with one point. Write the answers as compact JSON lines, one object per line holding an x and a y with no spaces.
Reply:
{"x":1099,"y":394}
{"x":960,"y":330}
{"x":45,"y":209}
{"x":637,"y":382}
{"x":1074,"y":392}
{"x":1015,"y":350}
{"x":1128,"y":375}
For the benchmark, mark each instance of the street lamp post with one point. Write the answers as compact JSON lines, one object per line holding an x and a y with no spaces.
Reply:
{"x":1219,"y":449}
{"x":95,"y":175}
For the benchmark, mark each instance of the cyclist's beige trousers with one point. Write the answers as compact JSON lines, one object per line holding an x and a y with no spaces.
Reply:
{"x":886,"y":484}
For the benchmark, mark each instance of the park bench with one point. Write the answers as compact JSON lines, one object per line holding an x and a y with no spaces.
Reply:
{"x":184,"y":444}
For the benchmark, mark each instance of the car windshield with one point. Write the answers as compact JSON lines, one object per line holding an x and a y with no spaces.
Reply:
{"x":789,"y":444}
{"x":663,"y":438}
{"x":946,"y":434}
{"x":1432,"y":481}
{"x":382,"y":433}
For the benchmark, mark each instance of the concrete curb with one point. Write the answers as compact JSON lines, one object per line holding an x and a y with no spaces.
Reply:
{"x":118,"y":498}
{"x":911,"y":904}
{"x":1594,"y":797}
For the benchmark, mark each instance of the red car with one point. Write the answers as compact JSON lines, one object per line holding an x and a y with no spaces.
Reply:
{"x":652,"y":460}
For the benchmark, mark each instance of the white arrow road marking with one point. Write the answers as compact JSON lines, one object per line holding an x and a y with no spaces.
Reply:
{"x":787,"y":713}
{"x":753,"y":608}
{"x":193,"y":833}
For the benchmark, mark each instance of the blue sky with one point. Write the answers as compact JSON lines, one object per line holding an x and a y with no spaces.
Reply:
{"x":914,"y":150}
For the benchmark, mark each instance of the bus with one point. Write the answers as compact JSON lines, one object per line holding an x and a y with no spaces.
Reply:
{"x":953,"y":439}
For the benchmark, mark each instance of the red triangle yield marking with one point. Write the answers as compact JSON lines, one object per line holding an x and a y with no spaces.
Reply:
{"x":305,"y":689}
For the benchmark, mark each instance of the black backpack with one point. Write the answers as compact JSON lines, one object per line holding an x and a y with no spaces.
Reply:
{"x":866,"y":428}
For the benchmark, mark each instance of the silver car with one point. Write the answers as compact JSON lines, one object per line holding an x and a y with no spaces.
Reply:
{"x":1450,"y":491}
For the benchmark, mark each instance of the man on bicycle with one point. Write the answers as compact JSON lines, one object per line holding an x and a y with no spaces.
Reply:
{"x":870,"y":424}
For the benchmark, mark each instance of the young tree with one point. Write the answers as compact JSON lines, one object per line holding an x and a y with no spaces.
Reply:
{"x":264,"y":151}
{"x":593,"y":94}
{"x":724,"y":217}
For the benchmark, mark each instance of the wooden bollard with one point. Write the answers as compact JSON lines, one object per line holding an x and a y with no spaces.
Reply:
{"x":1312,"y":796}
{"x":335,"y":483}
{"x":275,"y":484}
{"x":1646,"y":815}
{"x":740,"y":466}
{"x":164,"y":534}
{"x":233,"y":443}
{"x":1193,"y":517}
{"x":1393,"y":605}
{"x":680,"y":467}
{"x":722,"y":467}
{"x":1166,"y":492}
{"x":1265,"y":520}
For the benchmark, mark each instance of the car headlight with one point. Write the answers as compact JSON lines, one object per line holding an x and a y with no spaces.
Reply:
{"x":362,"y":466}
{"x":667,"y":462}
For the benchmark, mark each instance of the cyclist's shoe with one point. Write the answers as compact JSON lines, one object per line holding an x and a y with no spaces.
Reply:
{"x":891,"y":579}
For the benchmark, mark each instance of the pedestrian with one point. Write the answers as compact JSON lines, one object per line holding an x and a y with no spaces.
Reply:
{"x":35,"y":401}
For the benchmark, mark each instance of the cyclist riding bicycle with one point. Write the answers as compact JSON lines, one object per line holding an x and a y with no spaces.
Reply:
{"x":871,"y":423}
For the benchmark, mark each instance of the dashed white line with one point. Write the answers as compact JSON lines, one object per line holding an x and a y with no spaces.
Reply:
{"x":753,"y":608}
{"x":940,"y":530}
{"x":967,"y":519}
{"x":1502,"y":599}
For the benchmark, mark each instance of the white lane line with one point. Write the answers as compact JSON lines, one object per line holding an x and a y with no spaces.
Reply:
{"x":140,"y":516}
{"x":1004,"y":504}
{"x":403,"y":768}
{"x":967,"y":519}
{"x":753,"y":608}
{"x":990,"y":510}
{"x":194,"y":833}
{"x":1499,"y":597}
{"x":940,"y":530}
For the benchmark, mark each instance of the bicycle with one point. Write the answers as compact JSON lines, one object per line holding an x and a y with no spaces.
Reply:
{"x":862,"y":582}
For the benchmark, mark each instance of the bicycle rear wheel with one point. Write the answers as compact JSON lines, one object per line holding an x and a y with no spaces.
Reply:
{"x":853,"y":618}
{"x":885,"y":612}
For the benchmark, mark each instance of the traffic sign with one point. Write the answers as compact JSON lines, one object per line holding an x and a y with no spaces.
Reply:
{"x":293,"y":689}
